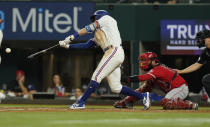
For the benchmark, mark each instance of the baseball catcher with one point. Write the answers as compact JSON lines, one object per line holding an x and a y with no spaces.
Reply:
{"x":163,"y":78}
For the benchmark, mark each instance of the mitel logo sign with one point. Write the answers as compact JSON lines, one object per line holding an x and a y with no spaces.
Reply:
{"x":44,"y":20}
{"x":41,"y":19}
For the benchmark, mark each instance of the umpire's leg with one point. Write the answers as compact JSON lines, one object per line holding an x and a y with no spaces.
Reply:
{"x":206,"y":83}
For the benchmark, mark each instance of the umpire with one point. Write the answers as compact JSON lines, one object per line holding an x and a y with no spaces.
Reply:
{"x":203,"y":39}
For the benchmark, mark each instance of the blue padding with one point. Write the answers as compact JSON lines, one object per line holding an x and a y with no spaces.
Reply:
{"x":88,"y":29}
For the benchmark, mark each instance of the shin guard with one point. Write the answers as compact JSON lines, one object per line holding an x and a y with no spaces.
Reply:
{"x":176,"y":104}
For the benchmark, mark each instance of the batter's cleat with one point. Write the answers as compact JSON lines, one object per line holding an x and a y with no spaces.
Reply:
{"x":146,"y":101}
{"x":77,"y":106}
{"x":195,"y":106}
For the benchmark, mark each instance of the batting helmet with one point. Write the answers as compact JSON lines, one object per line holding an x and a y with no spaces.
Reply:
{"x":98,"y":14}
{"x":145,"y":60}
{"x":201,"y":36}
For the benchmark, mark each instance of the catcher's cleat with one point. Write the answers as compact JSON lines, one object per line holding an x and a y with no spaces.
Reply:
{"x":119,"y":104}
{"x":123,"y":104}
{"x":146,"y":101}
{"x":77,"y":106}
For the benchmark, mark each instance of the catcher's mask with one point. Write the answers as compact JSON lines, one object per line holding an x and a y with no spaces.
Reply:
{"x":201,"y":36}
{"x":145,"y":60}
{"x":98,"y":14}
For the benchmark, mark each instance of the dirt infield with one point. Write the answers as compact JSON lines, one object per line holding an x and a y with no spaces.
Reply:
{"x":44,"y":109}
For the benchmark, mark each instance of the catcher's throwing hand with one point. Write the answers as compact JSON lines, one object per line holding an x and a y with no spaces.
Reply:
{"x":64,"y":44}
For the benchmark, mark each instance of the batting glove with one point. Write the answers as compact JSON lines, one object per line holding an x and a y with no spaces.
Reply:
{"x":69,"y":39}
{"x":64,"y":44}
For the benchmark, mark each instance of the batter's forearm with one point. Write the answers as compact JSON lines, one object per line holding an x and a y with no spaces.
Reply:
{"x":88,"y":29}
{"x":82,"y":32}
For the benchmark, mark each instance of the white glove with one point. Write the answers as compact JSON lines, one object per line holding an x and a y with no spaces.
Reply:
{"x":64,"y":44}
{"x":69,"y":39}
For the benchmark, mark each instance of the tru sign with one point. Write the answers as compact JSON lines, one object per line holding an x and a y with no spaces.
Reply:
{"x":42,"y":20}
{"x":185,"y":31}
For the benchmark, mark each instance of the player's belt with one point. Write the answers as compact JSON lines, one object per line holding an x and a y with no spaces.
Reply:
{"x":107,"y":48}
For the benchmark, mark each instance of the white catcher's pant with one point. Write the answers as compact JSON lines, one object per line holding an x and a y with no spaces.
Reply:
{"x":180,"y":92}
{"x":109,"y":67}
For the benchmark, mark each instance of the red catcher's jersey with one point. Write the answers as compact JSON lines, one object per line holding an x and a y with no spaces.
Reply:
{"x":162,"y":76}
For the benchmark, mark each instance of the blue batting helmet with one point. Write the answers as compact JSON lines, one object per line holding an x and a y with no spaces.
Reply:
{"x":98,"y":14}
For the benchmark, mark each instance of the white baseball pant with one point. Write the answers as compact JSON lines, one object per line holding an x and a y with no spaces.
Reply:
{"x":109,"y":67}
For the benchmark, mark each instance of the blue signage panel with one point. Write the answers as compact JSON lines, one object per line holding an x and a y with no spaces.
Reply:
{"x":178,"y":36}
{"x":43,"y":20}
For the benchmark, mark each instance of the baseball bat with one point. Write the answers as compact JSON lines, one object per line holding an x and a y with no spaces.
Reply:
{"x":42,"y":51}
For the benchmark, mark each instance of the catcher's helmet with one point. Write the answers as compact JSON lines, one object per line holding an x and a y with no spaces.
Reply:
{"x":98,"y":14}
{"x":201,"y":36}
{"x":145,"y":60}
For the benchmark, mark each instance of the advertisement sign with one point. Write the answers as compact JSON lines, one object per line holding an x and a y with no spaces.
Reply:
{"x":178,"y":36}
{"x":43,"y":20}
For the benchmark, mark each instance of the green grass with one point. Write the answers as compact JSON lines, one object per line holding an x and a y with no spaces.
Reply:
{"x":102,"y":119}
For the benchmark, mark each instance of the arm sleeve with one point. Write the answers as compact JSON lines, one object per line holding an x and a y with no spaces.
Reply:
{"x":145,"y":77}
{"x":152,"y":74}
{"x":85,"y":45}
{"x":139,"y":78}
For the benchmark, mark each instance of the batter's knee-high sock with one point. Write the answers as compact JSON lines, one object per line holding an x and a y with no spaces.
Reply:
{"x":91,"y":88}
{"x":129,"y":92}
{"x":132,"y":98}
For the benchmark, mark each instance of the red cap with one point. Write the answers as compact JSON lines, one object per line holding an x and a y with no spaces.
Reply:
{"x":20,"y":72}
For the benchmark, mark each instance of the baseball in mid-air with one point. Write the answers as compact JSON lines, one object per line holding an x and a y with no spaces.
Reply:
{"x":8,"y":50}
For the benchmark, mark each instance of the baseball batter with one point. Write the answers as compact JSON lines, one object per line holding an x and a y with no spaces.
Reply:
{"x":107,"y":36}
{"x":164,"y":78}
